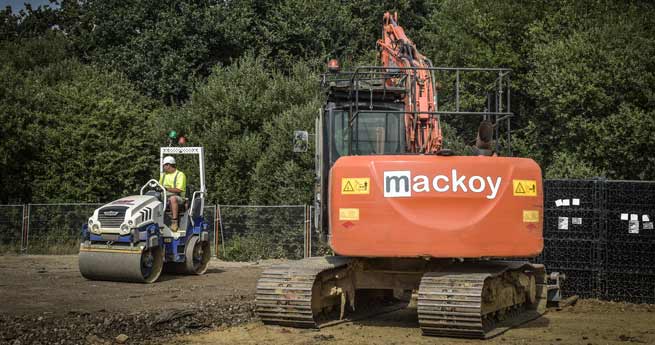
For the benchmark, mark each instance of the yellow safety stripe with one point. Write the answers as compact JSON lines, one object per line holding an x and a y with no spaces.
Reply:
{"x":122,"y":251}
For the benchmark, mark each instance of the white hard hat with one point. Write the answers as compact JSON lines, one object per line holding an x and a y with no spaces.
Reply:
{"x":169,"y":160}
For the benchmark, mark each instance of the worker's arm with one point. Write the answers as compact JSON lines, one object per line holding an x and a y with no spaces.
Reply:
{"x":174,"y":190}
{"x":171,"y":190}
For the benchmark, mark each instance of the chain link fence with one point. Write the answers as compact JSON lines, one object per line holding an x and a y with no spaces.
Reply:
{"x":55,"y":228}
{"x":250,"y":233}
{"x":236,"y":232}
{"x":11,"y":228}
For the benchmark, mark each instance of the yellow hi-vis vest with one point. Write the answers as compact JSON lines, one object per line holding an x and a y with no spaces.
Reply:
{"x":176,"y":179}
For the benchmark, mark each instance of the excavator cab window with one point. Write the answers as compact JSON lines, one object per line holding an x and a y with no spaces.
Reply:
{"x":373,"y":133}
{"x":378,"y":133}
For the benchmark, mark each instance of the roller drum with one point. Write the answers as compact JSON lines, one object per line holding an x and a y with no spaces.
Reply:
{"x":121,"y":265}
{"x":198,"y":254}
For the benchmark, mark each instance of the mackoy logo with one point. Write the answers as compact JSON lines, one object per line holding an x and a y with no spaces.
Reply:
{"x":398,"y":184}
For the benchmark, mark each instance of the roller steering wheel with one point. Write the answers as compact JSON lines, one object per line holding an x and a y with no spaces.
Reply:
{"x":154,"y":185}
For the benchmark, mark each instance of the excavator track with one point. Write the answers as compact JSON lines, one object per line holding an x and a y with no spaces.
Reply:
{"x":285,"y":292}
{"x":459,"y":302}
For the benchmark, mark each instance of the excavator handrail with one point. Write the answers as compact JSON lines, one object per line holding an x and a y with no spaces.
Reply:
{"x":368,"y":79}
{"x":350,"y":76}
{"x":503,"y":72}
{"x":440,"y":112}
{"x":439,"y":68}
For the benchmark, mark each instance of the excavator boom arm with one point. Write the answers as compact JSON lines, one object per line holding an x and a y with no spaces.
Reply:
{"x":399,"y":54}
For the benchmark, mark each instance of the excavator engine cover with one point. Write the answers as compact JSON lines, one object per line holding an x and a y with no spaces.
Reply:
{"x":436,"y":206}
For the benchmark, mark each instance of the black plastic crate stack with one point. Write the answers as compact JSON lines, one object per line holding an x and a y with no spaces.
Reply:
{"x":574,"y":234}
{"x":630,"y":252}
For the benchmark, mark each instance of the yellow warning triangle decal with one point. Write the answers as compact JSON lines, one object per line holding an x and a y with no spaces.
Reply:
{"x":519,"y":189}
{"x":348,"y":187}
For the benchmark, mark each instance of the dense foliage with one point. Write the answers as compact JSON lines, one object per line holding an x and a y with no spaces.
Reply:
{"x":89,"y":89}
{"x":70,"y":132}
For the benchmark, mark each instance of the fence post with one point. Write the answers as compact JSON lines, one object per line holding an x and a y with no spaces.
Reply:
{"x":217,"y":219}
{"x":23,"y":230}
{"x":603,"y":292}
{"x":220,"y":227}
{"x":307,"y":235}
{"x":25,"y":241}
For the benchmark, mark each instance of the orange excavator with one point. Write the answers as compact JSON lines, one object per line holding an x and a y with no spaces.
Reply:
{"x":408,"y":218}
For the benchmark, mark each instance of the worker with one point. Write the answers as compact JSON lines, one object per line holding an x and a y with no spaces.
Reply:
{"x":175,"y":183}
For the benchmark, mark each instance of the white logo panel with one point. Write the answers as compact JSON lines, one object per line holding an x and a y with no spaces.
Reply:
{"x":397,"y":184}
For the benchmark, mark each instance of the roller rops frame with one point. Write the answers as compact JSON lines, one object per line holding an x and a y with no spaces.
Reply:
{"x":173,"y":150}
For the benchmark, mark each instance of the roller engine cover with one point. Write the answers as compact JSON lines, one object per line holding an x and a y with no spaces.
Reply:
{"x":141,"y":210}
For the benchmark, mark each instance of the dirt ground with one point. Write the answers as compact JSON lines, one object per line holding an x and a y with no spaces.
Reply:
{"x":588,"y":322}
{"x":44,"y":300}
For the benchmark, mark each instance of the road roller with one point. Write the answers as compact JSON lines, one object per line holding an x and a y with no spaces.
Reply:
{"x":131,"y":239}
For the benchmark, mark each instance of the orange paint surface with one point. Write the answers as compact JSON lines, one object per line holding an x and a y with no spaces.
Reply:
{"x":436,"y":206}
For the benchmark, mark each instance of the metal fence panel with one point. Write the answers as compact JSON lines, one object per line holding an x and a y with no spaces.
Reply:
{"x":56,"y":228}
{"x":629,"y":272}
{"x":589,"y":194}
{"x":573,"y":234}
{"x":11,"y":226}
{"x":625,"y":195}
{"x":209,"y":214}
{"x":250,"y":233}
{"x":601,"y":234}
{"x":319,"y":241}
{"x":629,"y":287}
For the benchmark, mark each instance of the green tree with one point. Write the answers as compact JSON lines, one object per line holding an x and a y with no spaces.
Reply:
{"x":592,"y":83}
{"x":162,"y":46}
{"x":28,"y":22}
{"x":72,"y":132}
{"x":581,"y":71}
{"x":282,"y":176}
{"x":237,"y":117}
